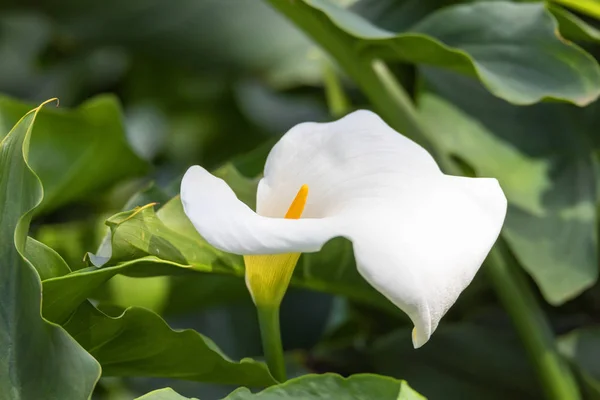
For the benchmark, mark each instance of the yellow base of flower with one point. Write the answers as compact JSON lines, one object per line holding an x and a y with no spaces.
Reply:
{"x":268,"y":276}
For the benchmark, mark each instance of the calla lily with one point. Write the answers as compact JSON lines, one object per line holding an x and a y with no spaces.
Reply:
{"x":419,"y":236}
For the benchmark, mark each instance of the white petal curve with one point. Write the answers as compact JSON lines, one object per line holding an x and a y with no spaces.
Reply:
{"x":422,"y":252}
{"x":229,"y":225}
{"x":419,"y":236}
{"x":353,"y":158}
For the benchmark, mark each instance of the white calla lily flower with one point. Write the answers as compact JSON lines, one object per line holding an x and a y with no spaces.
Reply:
{"x":419,"y":236}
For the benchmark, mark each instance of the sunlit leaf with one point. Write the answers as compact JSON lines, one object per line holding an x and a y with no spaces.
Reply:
{"x":590,"y":7}
{"x":164,"y":394}
{"x":333,"y":386}
{"x":572,"y":27}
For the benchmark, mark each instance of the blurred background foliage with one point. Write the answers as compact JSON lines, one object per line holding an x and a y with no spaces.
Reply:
{"x":148,"y":88}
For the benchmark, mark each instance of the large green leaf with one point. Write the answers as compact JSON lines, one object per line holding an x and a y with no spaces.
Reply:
{"x":523,"y":63}
{"x":38,"y":360}
{"x":542,"y":156}
{"x":140,"y":343}
{"x":333,"y":386}
{"x":77,"y":152}
{"x":400,"y":15}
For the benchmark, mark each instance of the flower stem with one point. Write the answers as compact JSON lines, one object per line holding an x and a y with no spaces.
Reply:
{"x":337,"y":102}
{"x":518,"y":299}
{"x":268,"y":319}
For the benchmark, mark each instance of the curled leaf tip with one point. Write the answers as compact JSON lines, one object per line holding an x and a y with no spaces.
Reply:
{"x":54,"y":99}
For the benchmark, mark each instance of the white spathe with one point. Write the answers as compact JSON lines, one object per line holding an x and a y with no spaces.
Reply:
{"x":419,"y":236}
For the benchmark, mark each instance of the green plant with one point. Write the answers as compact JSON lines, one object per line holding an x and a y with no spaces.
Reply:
{"x":502,"y":89}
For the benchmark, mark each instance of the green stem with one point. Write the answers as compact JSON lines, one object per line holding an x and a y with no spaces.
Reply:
{"x":531,"y":324}
{"x":398,"y":108}
{"x":392,"y":101}
{"x":268,"y":319}
{"x":337,"y":102}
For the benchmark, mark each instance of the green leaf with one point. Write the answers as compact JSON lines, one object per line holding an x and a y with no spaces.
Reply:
{"x":590,"y":7}
{"x":124,"y":291}
{"x":164,"y":394}
{"x":173,"y":292}
{"x":523,"y":63}
{"x":79,"y":152}
{"x":64,"y":294}
{"x":582,"y":348}
{"x":333,"y":386}
{"x":140,"y":343}
{"x":150,"y":293}
{"x":141,"y":232}
{"x":572,"y":27}
{"x":37,"y":359}
{"x":47,"y":262}
{"x":452,"y":366}
{"x":397,"y":15}
{"x":179,"y":229}
{"x":542,"y":157}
